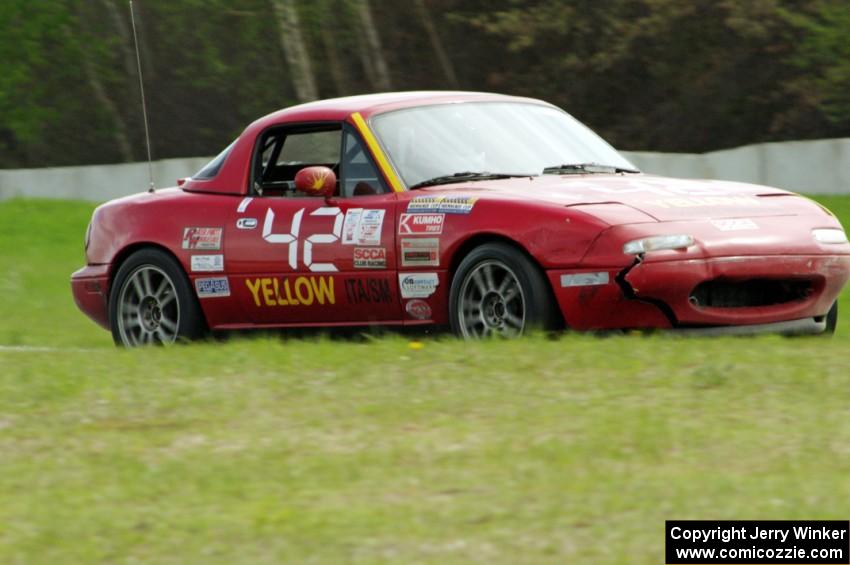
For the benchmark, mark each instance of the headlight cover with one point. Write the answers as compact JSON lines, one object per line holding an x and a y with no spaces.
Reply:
{"x":829,"y":235}
{"x":658,"y":243}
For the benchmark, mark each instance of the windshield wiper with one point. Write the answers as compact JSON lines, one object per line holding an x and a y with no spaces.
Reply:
{"x":465,"y":176}
{"x":586,"y":168}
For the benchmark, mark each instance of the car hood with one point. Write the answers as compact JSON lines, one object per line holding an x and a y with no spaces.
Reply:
{"x":664,"y":199}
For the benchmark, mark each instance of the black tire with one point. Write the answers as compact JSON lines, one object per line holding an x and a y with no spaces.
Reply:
{"x":151,"y":302}
{"x":479,"y":309}
{"x":831,"y":319}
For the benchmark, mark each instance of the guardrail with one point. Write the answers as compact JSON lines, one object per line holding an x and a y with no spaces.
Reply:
{"x":814,"y":167}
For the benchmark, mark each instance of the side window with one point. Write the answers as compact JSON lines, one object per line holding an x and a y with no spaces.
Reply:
{"x":310,"y":148}
{"x":359,"y":174}
{"x":282,"y":152}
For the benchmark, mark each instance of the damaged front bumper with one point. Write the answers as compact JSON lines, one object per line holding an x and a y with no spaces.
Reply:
{"x":667,"y":294}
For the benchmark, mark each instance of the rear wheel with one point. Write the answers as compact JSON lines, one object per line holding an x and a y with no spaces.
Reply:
{"x":497,"y":290}
{"x":151,"y":302}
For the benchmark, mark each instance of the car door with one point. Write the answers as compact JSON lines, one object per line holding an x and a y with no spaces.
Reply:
{"x":295,"y":259}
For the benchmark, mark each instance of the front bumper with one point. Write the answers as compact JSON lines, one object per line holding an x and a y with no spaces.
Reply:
{"x":658,"y":294}
{"x":90,"y":288}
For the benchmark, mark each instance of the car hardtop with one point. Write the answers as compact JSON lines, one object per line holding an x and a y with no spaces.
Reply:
{"x":234,"y":174}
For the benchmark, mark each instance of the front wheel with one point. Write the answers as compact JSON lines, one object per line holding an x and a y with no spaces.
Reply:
{"x":497,"y":290}
{"x":151,"y":302}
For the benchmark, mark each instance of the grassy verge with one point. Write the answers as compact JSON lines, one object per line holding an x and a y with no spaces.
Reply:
{"x":567,"y":451}
{"x":41,"y":244}
{"x":573,"y":450}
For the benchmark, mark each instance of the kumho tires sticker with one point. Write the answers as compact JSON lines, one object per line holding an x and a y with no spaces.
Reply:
{"x":424,"y":224}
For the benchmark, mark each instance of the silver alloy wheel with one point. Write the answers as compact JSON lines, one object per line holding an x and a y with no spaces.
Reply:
{"x":491,"y":302}
{"x":148,"y":309}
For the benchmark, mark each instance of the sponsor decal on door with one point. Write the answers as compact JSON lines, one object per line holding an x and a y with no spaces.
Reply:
{"x":370,"y":258}
{"x":362,"y":226}
{"x":418,"y":285}
{"x":212,"y":287}
{"x":207,"y":263}
{"x":207,"y":239}
{"x":418,"y":309}
{"x":420,"y":252}
{"x":421,"y":224}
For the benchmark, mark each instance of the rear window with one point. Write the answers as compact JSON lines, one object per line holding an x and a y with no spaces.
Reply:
{"x":212,"y":168}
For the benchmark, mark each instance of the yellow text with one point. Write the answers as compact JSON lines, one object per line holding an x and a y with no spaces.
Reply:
{"x":300,"y":291}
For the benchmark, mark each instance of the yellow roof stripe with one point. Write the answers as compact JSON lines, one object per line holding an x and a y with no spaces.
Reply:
{"x":383,"y":162}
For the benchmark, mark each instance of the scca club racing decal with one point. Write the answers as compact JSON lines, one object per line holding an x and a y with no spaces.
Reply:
{"x":370,"y":257}
{"x":421,"y":224}
{"x":292,"y":291}
{"x":442,"y":204}
{"x":212,"y":287}
{"x":418,"y":285}
{"x":208,"y":239}
{"x":368,"y":291}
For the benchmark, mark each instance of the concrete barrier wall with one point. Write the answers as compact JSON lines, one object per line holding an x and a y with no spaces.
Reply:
{"x":814,"y":167}
{"x":94,"y":182}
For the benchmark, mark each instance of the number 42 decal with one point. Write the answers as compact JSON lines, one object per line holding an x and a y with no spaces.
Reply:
{"x":291,"y":238}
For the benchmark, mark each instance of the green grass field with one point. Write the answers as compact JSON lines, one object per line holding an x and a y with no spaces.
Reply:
{"x":268,"y":450}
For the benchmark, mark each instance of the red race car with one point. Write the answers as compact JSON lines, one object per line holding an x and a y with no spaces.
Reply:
{"x":491,"y":214}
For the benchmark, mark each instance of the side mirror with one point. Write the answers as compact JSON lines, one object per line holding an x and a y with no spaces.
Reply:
{"x":181,"y":182}
{"x":316,"y":181}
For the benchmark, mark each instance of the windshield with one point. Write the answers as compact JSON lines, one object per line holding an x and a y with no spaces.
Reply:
{"x":497,"y":137}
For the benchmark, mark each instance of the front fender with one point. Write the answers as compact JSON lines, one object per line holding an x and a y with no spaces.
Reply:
{"x":554,"y":236}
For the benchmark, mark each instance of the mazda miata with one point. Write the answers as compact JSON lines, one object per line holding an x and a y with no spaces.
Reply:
{"x":489,"y":214}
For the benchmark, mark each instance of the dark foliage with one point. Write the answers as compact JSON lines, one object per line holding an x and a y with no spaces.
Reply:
{"x":667,"y":75}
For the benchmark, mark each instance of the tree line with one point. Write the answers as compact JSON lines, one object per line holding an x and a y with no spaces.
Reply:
{"x":663,"y":75}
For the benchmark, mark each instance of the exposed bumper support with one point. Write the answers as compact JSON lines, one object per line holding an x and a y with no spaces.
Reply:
{"x":806,"y":326}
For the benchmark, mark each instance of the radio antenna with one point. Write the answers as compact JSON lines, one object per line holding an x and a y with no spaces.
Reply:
{"x":142,"y":90}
